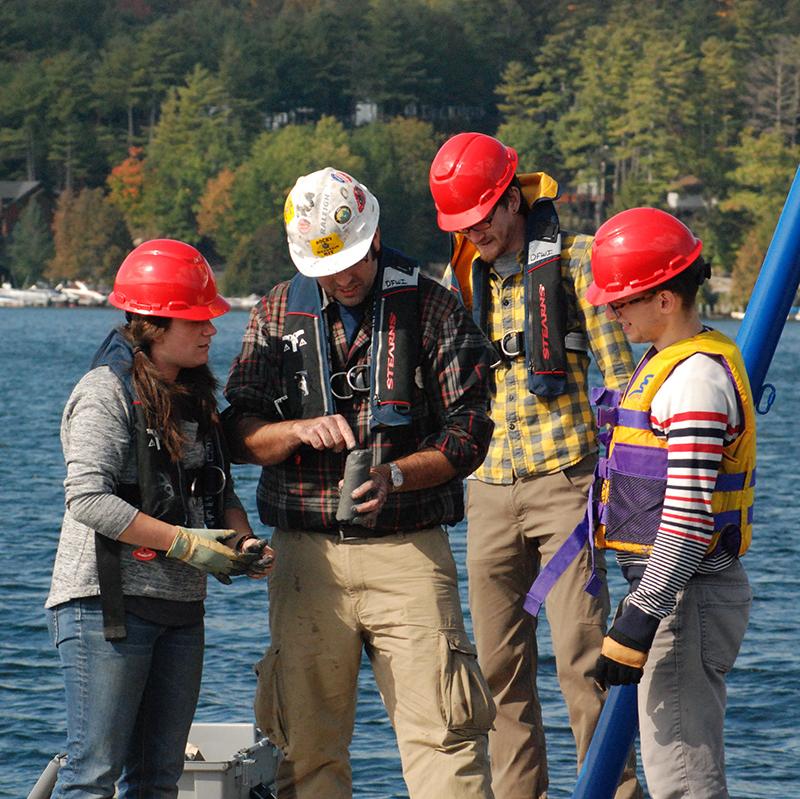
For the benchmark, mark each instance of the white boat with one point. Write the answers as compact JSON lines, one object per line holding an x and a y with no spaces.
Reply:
{"x":243,"y":303}
{"x":36,"y":295}
{"x":79,"y":293}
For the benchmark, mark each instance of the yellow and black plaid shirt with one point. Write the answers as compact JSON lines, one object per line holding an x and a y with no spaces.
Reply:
{"x":535,"y":435}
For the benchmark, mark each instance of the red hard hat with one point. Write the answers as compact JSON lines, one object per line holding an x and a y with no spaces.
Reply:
{"x":468,"y":176}
{"x":637,"y":250}
{"x":164,"y":277}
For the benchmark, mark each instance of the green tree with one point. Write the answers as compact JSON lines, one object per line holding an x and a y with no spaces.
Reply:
{"x":719,"y":112}
{"x":90,"y":238}
{"x":657,"y":121}
{"x":23,"y":129}
{"x":530,"y":110}
{"x":30,"y":247}
{"x":73,"y":150}
{"x":198,"y":135}
{"x":392,"y":69}
{"x":258,"y":262}
{"x":766,"y":166}
{"x":119,"y":93}
{"x":535,"y":95}
{"x":607,"y":57}
{"x":397,"y":156}
{"x":262,"y":182}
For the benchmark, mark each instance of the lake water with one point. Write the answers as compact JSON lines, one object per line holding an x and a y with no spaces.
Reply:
{"x":43,"y":352}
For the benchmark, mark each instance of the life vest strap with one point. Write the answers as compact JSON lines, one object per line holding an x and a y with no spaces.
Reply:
{"x":109,"y":577}
{"x":559,"y":563}
{"x":603,"y":395}
{"x":735,"y":481}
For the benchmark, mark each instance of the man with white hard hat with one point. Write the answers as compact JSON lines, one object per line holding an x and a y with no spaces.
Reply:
{"x":359,"y":351}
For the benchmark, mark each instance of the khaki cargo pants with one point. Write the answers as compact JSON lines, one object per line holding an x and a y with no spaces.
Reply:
{"x":397,"y":598}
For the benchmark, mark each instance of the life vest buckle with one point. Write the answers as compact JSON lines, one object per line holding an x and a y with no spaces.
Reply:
{"x":512,"y":345}
{"x":345,"y":385}
{"x":209,"y":481}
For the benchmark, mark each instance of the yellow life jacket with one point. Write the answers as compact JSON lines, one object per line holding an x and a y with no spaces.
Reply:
{"x":635,"y":470}
{"x":536,"y":186}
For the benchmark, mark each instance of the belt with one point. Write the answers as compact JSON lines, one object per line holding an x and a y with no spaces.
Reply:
{"x":357,"y":532}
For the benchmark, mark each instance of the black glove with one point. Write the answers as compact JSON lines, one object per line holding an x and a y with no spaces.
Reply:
{"x":621,"y":661}
{"x":256,"y":550}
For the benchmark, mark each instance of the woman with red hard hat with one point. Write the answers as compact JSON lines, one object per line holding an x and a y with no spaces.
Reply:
{"x":676,"y":500}
{"x":150,"y":511}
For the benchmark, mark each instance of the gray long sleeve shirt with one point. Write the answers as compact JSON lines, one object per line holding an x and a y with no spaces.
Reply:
{"x":97,"y":436}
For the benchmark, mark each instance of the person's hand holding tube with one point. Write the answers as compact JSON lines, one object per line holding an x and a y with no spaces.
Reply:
{"x":205,"y":550}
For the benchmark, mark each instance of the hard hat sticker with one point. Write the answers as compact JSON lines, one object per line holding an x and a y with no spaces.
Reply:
{"x":326,"y":245}
{"x":342,"y":214}
{"x":288,"y":210}
{"x":361,"y":199}
{"x":341,"y":177}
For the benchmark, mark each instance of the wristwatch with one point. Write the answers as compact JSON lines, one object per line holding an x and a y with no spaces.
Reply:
{"x":396,"y":474}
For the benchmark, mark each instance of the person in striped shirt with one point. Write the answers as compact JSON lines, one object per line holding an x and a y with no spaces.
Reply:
{"x":676,"y":503}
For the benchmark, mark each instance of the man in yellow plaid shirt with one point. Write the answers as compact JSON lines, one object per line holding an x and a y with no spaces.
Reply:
{"x":525,"y":280}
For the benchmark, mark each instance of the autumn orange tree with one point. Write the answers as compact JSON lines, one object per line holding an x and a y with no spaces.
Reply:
{"x":90,"y":238}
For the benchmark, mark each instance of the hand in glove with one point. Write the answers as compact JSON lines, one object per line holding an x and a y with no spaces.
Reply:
{"x":621,"y":661}
{"x":250,"y":545}
{"x":205,"y":550}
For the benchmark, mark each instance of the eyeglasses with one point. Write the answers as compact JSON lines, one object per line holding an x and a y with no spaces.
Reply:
{"x":484,"y":224}
{"x":616,"y":307}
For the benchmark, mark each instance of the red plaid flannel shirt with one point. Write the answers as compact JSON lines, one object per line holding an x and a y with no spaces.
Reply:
{"x":449,"y":413}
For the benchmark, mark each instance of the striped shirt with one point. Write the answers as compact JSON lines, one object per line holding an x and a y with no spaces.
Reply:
{"x":449,"y":413}
{"x":697,"y":412}
{"x":539,"y":435}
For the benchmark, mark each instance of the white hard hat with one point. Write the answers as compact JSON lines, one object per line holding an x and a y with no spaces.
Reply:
{"x":330,"y":220}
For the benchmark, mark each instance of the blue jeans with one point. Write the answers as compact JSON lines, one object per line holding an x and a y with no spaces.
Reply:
{"x":130,"y":703}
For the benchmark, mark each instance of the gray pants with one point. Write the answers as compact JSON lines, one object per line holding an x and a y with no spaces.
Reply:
{"x":682,"y":695}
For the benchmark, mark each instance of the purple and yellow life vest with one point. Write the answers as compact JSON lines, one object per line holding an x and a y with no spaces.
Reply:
{"x":635,"y":470}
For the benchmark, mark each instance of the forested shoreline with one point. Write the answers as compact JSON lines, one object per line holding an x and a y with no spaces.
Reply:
{"x":192,"y":119}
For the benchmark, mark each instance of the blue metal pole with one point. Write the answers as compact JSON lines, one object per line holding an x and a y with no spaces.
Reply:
{"x":758,"y":337}
{"x":611,"y":742}
{"x":773,"y":293}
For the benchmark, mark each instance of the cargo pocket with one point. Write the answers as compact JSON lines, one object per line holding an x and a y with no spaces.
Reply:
{"x":467,"y":706}
{"x":267,"y":703}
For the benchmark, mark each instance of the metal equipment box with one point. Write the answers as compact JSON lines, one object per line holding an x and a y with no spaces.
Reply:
{"x":232,"y":763}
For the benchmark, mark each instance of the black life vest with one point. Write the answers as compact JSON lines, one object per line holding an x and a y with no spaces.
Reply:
{"x":545,"y":338}
{"x":155,"y":471}
{"x":394,"y":350}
